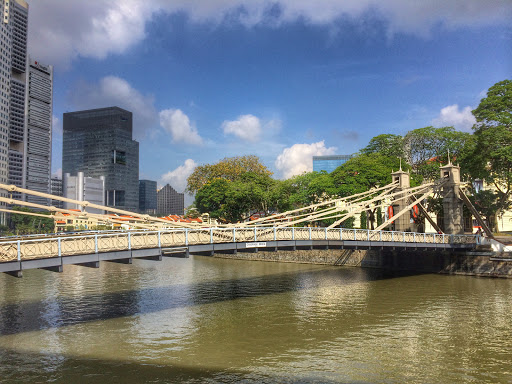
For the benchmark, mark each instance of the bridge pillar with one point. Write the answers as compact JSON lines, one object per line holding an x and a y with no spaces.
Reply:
{"x":403,"y":223}
{"x":452,"y":203}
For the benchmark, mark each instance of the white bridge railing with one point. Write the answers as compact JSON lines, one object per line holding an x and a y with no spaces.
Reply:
{"x":55,"y":246}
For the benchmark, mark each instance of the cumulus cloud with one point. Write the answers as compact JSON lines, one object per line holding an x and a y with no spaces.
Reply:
{"x":178,"y":177}
{"x":56,"y":126}
{"x":179,"y":126}
{"x":462,"y":120}
{"x":63,"y":30}
{"x":247,"y":127}
{"x":115,"y":91}
{"x":299,"y":158}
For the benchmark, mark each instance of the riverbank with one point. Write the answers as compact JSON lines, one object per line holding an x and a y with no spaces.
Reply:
{"x":480,"y":262}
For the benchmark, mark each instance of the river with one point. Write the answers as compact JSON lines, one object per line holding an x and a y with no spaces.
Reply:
{"x":213,"y":320}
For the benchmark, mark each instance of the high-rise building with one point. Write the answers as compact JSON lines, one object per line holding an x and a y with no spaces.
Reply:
{"x":98,"y":142}
{"x":83,"y":188}
{"x":329,"y":163}
{"x":147,"y":197}
{"x":38,"y":130}
{"x":170,"y":202}
{"x":29,"y":91}
{"x":13,"y":54}
{"x":56,"y":190}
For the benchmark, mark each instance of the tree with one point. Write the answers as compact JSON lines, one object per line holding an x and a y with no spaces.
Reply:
{"x":364,"y":172}
{"x":387,"y":144}
{"x":26,"y":224}
{"x":427,"y":148}
{"x":493,"y":144}
{"x":230,"y":168}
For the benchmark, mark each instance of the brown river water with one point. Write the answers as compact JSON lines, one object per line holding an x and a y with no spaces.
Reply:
{"x":207,"y":320}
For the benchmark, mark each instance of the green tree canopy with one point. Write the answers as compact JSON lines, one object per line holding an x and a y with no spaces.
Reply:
{"x":493,"y":141}
{"x":230,"y":168}
{"x":427,"y":148}
{"x":387,"y":144}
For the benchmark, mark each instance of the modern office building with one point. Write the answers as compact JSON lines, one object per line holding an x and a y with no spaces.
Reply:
{"x":84,"y":188}
{"x":329,"y":163}
{"x":98,"y":142}
{"x":38,"y":130}
{"x":170,"y":202}
{"x":13,"y":56}
{"x":56,"y":190}
{"x":147,"y":197}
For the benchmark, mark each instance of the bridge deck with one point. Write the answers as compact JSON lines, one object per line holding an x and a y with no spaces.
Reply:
{"x":53,"y":252}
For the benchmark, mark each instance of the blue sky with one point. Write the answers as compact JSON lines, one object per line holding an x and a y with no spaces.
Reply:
{"x":284,"y":80}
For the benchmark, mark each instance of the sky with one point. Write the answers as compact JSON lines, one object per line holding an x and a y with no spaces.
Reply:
{"x":284,"y":80}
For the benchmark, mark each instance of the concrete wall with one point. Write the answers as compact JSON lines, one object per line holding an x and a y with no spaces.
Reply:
{"x":464,"y":263}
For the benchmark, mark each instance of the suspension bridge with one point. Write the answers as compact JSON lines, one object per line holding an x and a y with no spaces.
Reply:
{"x":154,"y":237}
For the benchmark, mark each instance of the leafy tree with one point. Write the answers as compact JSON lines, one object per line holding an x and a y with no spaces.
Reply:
{"x":364,"y":172}
{"x":493,"y":142}
{"x":486,"y":202}
{"x":26,"y":224}
{"x":387,"y":144}
{"x":212,"y":197}
{"x":230,"y":168}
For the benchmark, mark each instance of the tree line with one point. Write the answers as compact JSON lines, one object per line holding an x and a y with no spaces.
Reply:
{"x":234,"y":188}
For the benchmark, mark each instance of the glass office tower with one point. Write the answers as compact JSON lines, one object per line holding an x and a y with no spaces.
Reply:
{"x":329,"y":163}
{"x":98,"y":142}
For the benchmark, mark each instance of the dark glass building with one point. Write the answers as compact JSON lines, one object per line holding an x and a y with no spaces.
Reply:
{"x":147,"y":196}
{"x":98,"y":142}
{"x":170,"y":202}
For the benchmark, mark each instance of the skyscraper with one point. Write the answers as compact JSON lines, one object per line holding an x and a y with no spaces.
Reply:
{"x":170,"y":202}
{"x":98,"y":142}
{"x":38,"y":130}
{"x":147,"y":196}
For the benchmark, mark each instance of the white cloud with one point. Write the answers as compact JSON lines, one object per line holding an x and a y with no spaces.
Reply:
{"x":178,"y":177}
{"x":299,"y":158}
{"x":247,"y":127}
{"x":63,"y":30}
{"x":56,"y":126}
{"x":179,"y":126}
{"x":115,"y":91}
{"x":462,"y":120}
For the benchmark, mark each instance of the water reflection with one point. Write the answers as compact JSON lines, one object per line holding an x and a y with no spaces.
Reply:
{"x":211,"y":320}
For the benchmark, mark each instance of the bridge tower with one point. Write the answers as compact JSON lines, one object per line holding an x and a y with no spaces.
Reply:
{"x":403,"y":223}
{"x":452,"y":203}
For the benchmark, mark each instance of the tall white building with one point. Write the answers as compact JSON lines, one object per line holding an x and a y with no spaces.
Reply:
{"x":26,"y":95}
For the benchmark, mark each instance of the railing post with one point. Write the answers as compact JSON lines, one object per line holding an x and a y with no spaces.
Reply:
{"x":275,"y":234}
{"x":403,"y":236}
{"x":341,"y":234}
{"x":129,"y":240}
{"x":424,"y":237}
{"x":96,"y":243}
{"x":368,"y":234}
{"x":392,"y":237}
{"x":234,"y":235}
{"x":186,"y":237}
{"x":355,"y":236}
{"x":60,"y":249}
{"x":159,"y":239}
{"x":325,"y":233}
{"x":310,"y":234}
{"x":211,"y":235}
{"x":19,"y":250}
{"x":255,"y":237}
{"x":380,"y":235}
{"x":293,"y":233}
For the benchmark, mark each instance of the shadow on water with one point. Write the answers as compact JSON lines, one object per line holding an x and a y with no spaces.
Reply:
{"x":37,"y":368}
{"x":30,"y":316}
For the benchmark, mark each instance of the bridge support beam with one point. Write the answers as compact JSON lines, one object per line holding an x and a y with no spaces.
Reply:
{"x":403,"y":223}
{"x":452,"y":203}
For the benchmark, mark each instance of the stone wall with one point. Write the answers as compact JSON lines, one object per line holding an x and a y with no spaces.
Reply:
{"x":464,"y":263}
